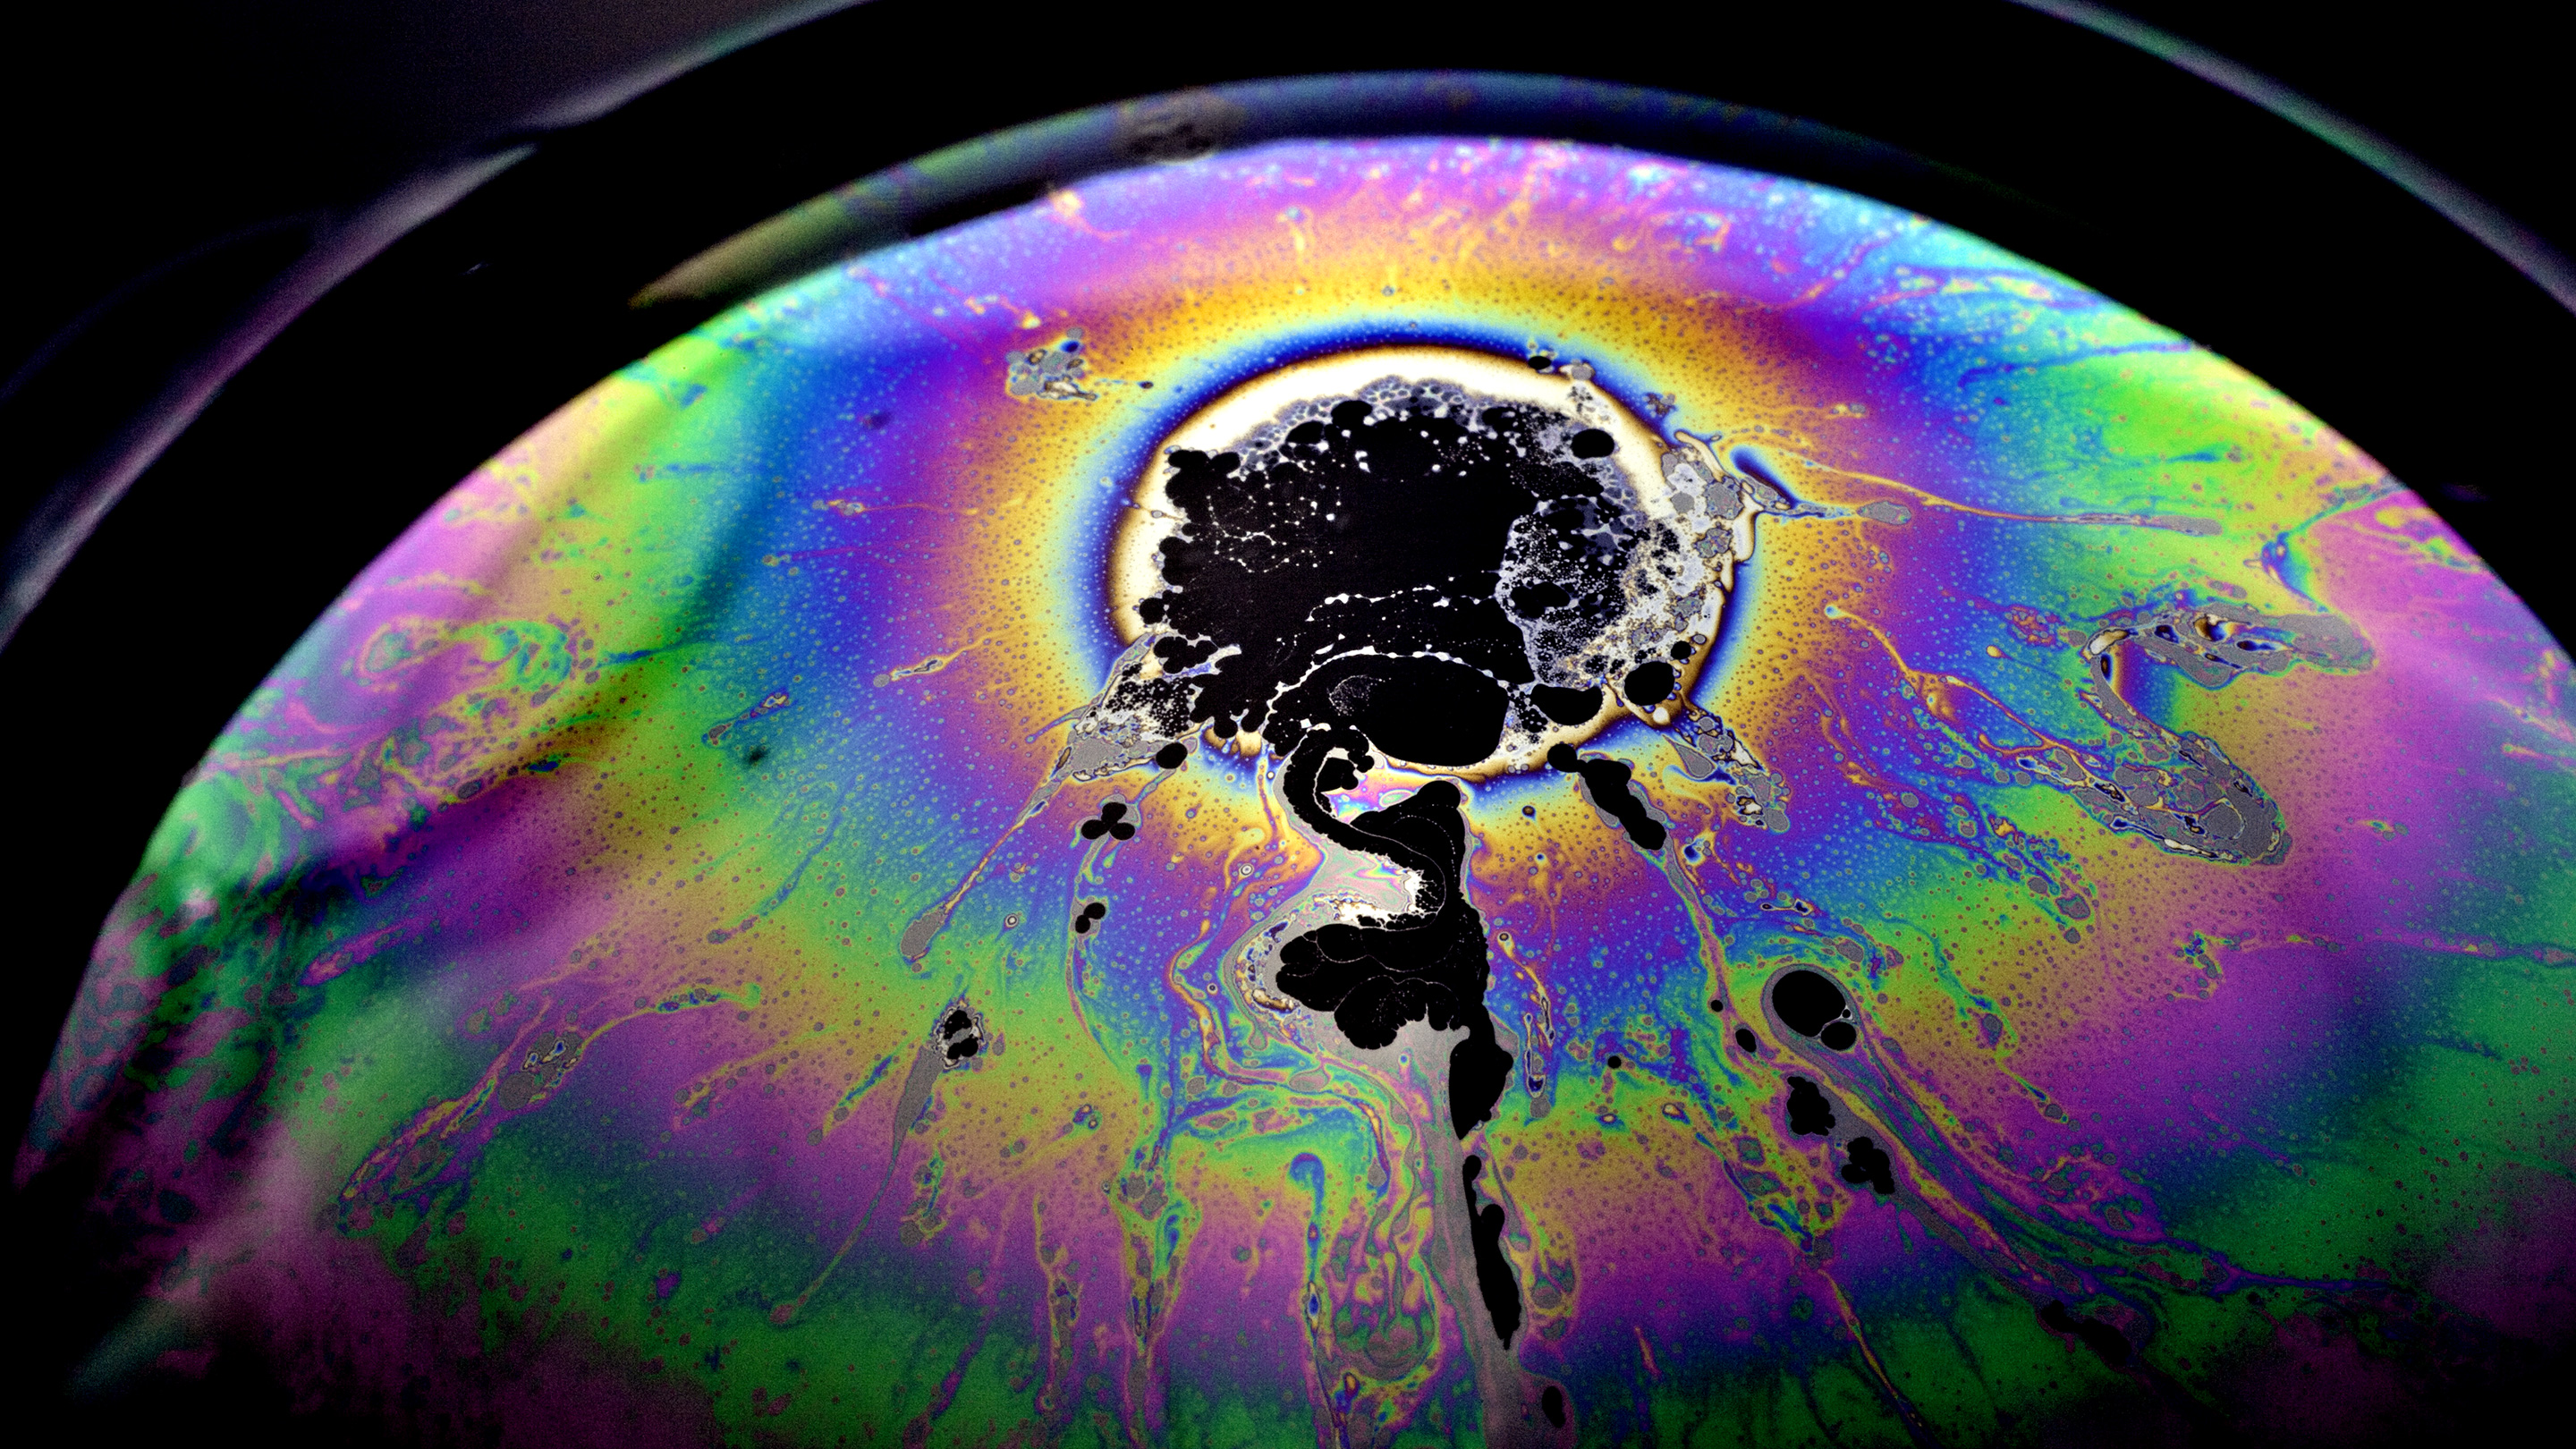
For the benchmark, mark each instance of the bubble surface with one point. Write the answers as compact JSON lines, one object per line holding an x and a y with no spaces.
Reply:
{"x":1943,"y":863}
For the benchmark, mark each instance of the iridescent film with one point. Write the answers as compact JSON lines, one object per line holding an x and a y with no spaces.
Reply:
{"x":1351,"y":792}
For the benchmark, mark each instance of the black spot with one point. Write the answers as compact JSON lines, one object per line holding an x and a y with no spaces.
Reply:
{"x":1567,"y":706}
{"x":1716,"y":1004}
{"x":755,"y":754}
{"x":1147,"y":386}
{"x":1810,"y":1115}
{"x":1428,"y":965}
{"x":1170,"y":756}
{"x":1095,"y":910}
{"x":1615,"y":1063}
{"x":957,"y":1021}
{"x":1606,"y":781}
{"x":1681,"y":649}
{"x":1744,"y":1038}
{"x":1082,"y":925}
{"x":1529,"y":812}
{"x":178,"y":1207}
{"x":2108,"y":1344}
{"x":1870,"y":1165}
{"x":1839,"y":1035}
{"x":1649,"y":684}
{"x":1541,"y":361}
{"x":1806,"y":1000}
{"x":1552,"y":1404}
{"x":1501,"y":1291}
{"x":1594,"y":443}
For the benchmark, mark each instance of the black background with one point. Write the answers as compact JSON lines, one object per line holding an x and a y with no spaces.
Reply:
{"x":165,"y":162}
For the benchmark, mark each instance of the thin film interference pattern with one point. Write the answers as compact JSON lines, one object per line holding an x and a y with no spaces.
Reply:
{"x":1366,"y":792}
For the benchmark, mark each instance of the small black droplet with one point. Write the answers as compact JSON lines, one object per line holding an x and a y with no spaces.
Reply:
{"x":1082,"y":925}
{"x":1839,"y":1035}
{"x":1594,"y":443}
{"x":1716,"y":1003}
{"x":1681,"y":649}
{"x":1744,"y":1037}
{"x":1122,"y":831}
{"x":1529,"y":812}
{"x":755,"y":754}
{"x":1147,"y":386}
{"x":1096,"y":909}
{"x":1170,"y":756}
{"x":1552,"y":1404}
{"x":1615,"y":1062}
{"x":1113,"y":810}
{"x":1542,"y":361}
{"x":1093,"y":829}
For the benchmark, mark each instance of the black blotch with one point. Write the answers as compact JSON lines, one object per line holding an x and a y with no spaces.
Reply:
{"x":1344,"y":536}
{"x":1529,"y":812}
{"x":1806,"y":1000}
{"x":1615,"y":1062}
{"x":2108,"y":1344}
{"x":1744,"y":1038}
{"x":1552,"y":1404}
{"x":1681,"y":649}
{"x":1649,"y":684}
{"x":1088,"y":916}
{"x":1541,"y":361}
{"x":755,"y":754}
{"x":1170,"y":756}
{"x":1606,"y":781}
{"x":1502,"y":1292}
{"x":1150,"y":610}
{"x":1567,"y":706}
{"x":1082,"y":925}
{"x":1870,"y":1165}
{"x":1594,"y":443}
{"x":1428,"y":965}
{"x":1716,"y":1004}
{"x":1112,"y":822}
{"x":1839,"y":1035}
{"x":1810,"y":1115}
{"x":960,"y":1036}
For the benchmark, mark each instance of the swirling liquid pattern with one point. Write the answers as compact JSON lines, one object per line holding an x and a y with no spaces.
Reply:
{"x":643,"y":967}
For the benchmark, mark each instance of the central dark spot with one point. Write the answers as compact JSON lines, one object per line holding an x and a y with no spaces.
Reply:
{"x":1352,"y":569}
{"x":1552,"y":1404}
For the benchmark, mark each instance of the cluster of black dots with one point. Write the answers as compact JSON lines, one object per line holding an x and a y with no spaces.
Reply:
{"x":1113,"y":822}
{"x":1089,"y":917}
